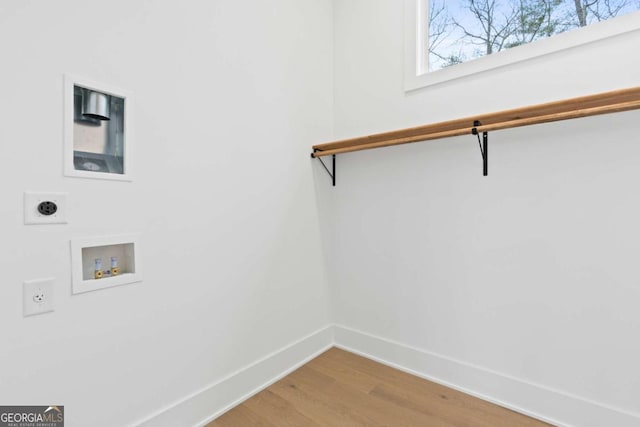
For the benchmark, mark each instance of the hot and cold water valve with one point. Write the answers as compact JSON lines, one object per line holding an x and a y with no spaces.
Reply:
{"x":99,"y":273}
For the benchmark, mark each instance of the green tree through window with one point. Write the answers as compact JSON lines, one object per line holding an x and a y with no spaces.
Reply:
{"x":463,"y":30}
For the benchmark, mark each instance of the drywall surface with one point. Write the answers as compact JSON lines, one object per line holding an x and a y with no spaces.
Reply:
{"x":529,"y":273}
{"x":228,"y":97}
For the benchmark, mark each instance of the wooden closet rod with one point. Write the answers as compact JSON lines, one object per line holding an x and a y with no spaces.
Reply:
{"x":591,"y":105}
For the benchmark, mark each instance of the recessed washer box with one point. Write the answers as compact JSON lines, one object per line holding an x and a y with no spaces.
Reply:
{"x":93,"y":266}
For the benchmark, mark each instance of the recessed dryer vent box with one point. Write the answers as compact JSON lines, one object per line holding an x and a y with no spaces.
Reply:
{"x":103,"y":262}
{"x":97,"y":130}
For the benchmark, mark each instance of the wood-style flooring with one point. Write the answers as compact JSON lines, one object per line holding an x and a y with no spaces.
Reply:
{"x":339,"y":388}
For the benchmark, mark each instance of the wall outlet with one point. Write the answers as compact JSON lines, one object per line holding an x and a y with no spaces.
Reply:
{"x":45,"y":208}
{"x":37,"y":296}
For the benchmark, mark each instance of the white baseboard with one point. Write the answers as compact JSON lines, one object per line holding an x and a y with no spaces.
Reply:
{"x":205,"y":405}
{"x":553,"y":406}
{"x":538,"y":401}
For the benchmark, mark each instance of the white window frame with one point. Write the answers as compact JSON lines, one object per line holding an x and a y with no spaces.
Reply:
{"x":416,"y":60}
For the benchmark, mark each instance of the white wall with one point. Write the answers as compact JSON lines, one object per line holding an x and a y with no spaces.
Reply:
{"x":530,"y":273}
{"x":229,"y":97}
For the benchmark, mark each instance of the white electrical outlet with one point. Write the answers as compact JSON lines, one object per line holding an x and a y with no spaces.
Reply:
{"x":37,"y":296}
{"x":45,"y":208}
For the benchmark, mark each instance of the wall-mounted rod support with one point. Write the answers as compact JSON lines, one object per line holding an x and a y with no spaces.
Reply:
{"x":331,"y":173}
{"x":485,"y":157}
{"x":484,"y":146}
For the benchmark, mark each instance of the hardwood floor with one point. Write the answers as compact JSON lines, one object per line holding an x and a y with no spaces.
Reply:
{"x":342,"y":389}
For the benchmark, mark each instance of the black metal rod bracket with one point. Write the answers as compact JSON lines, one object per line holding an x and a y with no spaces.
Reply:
{"x":332,"y":173}
{"x":484,"y":147}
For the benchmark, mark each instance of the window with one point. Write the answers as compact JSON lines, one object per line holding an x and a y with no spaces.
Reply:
{"x":450,"y":39}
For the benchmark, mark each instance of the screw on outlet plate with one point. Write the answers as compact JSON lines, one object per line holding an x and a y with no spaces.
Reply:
{"x":47,"y":208}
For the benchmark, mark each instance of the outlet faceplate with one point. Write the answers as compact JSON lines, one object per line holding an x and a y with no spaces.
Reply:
{"x":45,"y":208}
{"x":37,"y":296}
